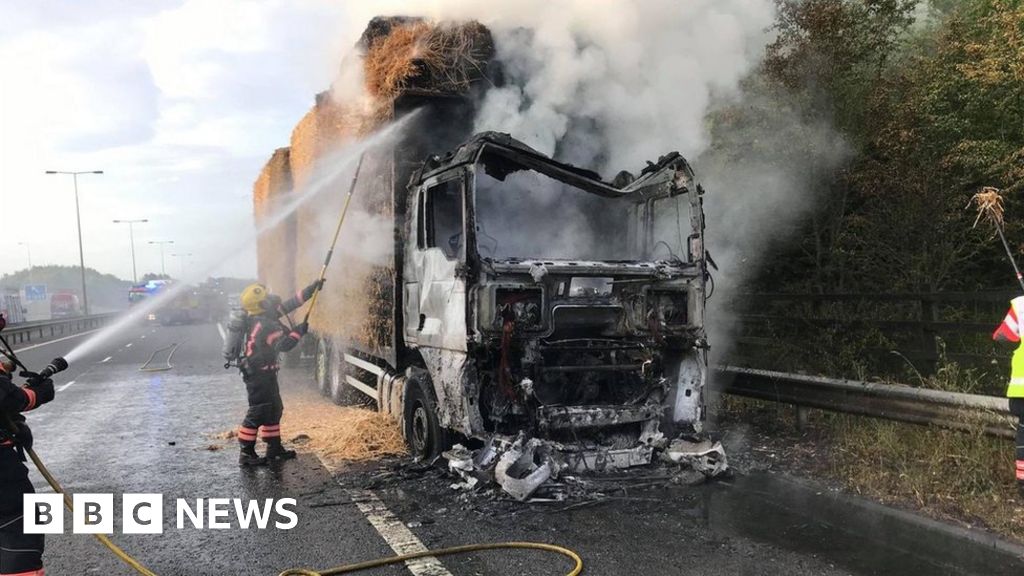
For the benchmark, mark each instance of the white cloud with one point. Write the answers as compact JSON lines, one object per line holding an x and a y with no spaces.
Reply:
{"x":180,"y":104}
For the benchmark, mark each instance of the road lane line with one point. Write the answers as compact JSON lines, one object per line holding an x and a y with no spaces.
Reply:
{"x":128,"y":345}
{"x":391,"y":529}
{"x":396,"y":534}
{"x":65,"y":387}
{"x":105,"y":360}
{"x":55,"y":341}
{"x":223,"y":334}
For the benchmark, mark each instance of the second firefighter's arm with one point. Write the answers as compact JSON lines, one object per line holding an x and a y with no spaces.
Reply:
{"x":1009,"y":329}
{"x":301,"y":297}
{"x":14,"y":398}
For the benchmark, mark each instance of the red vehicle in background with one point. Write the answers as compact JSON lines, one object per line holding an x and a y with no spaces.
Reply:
{"x":64,"y":304}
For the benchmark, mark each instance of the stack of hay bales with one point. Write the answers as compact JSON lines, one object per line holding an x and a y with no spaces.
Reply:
{"x":276,"y":246}
{"x":321,"y":133}
{"x":399,"y":56}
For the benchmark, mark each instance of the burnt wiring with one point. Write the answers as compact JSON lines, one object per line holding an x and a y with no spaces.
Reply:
{"x":668,"y":247}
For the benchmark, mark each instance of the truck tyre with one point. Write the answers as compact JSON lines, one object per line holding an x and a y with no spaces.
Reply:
{"x":322,"y":366}
{"x":343,"y":393}
{"x":423,"y":432}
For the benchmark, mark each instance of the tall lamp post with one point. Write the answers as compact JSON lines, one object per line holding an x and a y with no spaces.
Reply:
{"x":131,"y":238}
{"x":28,"y":250}
{"x":78,"y":219}
{"x":163,"y":269}
{"x":181,"y":262}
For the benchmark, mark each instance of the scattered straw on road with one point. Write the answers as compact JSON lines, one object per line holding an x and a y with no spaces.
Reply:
{"x":338,"y":434}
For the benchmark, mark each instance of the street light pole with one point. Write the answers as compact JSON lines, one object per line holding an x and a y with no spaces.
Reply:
{"x":28,"y":250}
{"x":181,"y":262}
{"x":131,"y":239}
{"x":163,"y":269}
{"x":78,"y":220}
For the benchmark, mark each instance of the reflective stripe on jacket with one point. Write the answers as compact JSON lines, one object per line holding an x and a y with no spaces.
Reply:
{"x":1011,"y":331}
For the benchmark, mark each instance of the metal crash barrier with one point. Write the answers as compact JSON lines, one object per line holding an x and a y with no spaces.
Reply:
{"x":27,"y":332}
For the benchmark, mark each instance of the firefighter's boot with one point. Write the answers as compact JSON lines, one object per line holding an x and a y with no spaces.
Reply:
{"x":249,"y":457}
{"x":277,"y":452}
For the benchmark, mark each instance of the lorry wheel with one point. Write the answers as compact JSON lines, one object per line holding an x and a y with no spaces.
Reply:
{"x":322,"y":367}
{"x":423,"y":432}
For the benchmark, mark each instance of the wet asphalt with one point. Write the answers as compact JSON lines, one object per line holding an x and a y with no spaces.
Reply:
{"x":119,"y":430}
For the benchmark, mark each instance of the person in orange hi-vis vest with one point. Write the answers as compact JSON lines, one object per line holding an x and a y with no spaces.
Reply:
{"x":1010,"y":331}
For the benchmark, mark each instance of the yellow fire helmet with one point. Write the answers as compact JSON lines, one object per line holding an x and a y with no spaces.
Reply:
{"x":252,"y":298}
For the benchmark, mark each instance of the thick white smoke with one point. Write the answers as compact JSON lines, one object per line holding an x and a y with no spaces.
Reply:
{"x":611,"y":84}
{"x":608,"y":84}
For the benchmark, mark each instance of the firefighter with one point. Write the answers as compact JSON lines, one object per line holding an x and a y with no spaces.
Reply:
{"x":265,"y":338}
{"x":20,"y":554}
{"x":1010,"y":331}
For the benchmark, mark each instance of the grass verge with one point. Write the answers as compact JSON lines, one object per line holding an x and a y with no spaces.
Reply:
{"x":953,"y":476}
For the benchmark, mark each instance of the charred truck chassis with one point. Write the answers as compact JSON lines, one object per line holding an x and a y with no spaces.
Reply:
{"x":598,"y":363}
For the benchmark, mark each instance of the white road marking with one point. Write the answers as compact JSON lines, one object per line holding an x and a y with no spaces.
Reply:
{"x":393,"y":531}
{"x":223,"y":333}
{"x":105,"y":360}
{"x":128,"y":345}
{"x":143,"y":337}
{"x":65,"y":387}
{"x":396,"y":534}
{"x":57,"y":340}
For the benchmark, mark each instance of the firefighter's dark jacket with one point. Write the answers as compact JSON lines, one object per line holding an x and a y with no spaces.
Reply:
{"x":267,"y":336}
{"x":13,"y":400}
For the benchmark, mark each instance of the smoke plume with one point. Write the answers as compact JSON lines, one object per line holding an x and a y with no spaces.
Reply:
{"x":611,"y":84}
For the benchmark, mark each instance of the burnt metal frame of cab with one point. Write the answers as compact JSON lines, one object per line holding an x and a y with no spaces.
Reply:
{"x":670,"y":176}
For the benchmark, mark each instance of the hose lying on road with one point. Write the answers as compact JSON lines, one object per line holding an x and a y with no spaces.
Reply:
{"x":146,"y":367}
{"x":348,"y":568}
{"x":124,"y":556}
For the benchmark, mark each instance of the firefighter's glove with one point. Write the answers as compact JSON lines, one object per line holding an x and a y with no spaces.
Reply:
{"x":319,"y":284}
{"x":42,"y":391}
{"x":308,"y":291}
{"x":302,"y":329}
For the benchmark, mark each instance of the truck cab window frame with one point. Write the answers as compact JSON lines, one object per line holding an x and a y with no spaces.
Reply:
{"x":443,"y":211}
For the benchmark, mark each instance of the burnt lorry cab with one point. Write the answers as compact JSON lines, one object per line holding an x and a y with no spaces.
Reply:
{"x":538,"y":299}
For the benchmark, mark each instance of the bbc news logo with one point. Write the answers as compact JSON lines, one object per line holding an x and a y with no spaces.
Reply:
{"x":144,"y":514}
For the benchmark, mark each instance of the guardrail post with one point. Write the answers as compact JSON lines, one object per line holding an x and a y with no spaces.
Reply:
{"x":802,"y":414}
{"x":929,"y":315}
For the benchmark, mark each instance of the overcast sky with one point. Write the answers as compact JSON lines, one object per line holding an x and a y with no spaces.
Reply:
{"x":179,"y":102}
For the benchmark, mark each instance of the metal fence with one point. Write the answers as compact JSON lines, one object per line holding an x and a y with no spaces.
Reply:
{"x":27,"y":332}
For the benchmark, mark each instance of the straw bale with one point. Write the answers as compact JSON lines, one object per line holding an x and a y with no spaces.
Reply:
{"x":271,"y":191}
{"x":422,"y":55}
{"x":399,"y":55}
{"x":325,"y":129}
{"x":358,"y":291}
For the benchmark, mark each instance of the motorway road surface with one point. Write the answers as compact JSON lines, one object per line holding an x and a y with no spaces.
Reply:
{"x":114,"y":429}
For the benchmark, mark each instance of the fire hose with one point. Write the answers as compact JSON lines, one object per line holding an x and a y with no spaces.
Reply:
{"x":345,"y":569}
{"x":59,"y":364}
